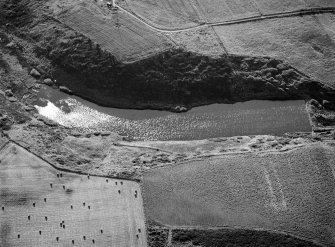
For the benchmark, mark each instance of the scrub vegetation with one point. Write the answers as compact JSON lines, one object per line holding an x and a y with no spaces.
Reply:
{"x":235,"y":238}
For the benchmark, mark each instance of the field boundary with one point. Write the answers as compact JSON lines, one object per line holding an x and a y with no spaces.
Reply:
{"x":171,"y":228}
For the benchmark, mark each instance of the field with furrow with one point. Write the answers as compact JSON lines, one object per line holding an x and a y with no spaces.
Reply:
{"x":119,"y":33}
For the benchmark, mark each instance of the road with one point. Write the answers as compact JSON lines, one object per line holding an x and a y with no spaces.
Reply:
{"x":309,"y":11}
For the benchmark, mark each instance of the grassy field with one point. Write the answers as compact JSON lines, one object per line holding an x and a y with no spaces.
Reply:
{"x":40,"y":204}
{"x":320,"y":3}
{"x":291,"y":192}
{"x":301,"y":41}
{"x":221,"y":10}
{"x":273,"y":6}
{"x":122,"y":35}
{"x":202,"y":41}
{"x":328,"y":23}
{"x":167,"y":13}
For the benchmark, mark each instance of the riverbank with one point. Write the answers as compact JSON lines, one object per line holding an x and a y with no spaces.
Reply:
{"x":247,"y":118}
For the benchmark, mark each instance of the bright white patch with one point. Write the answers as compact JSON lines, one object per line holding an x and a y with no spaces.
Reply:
{"x":79,"y":115}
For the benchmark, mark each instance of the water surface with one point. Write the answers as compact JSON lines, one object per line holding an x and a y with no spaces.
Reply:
{"x":248,"y":118}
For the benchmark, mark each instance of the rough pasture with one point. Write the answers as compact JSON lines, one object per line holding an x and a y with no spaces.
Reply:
{"x":42,"y":206}
{"x":122,"y":35}
{"x":291,"y":192}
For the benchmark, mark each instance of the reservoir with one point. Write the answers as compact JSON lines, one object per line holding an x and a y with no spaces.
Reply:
{"x":257,"y":117}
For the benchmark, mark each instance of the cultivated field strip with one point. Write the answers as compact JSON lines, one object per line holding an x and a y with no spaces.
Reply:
{"x":120,"y":34}
{"x":41,"y":206}
{"x":291,"y":192}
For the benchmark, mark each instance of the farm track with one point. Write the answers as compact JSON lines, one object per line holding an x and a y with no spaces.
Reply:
{"x":310,"y":11}
{"x":143,"y":147}
{"x":209,"y":157}
{"x":171,"y":228}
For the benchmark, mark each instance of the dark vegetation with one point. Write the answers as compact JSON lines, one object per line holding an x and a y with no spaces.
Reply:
{"x":323,"y":112}
{"x":237,"y":238}
{"x":16,"y":13}
{"x":157,"y":236}
{"x":166,"y":81}
{"x":11,"y":113}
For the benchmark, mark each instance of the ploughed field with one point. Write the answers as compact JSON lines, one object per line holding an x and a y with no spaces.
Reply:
{"x":41,"y":206}
{"x":291,"y":192}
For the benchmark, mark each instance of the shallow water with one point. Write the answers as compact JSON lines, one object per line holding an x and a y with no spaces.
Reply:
{"x":248,"y":118}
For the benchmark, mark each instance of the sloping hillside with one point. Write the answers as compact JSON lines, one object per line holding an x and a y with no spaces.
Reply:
{"x":306,"y":43}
